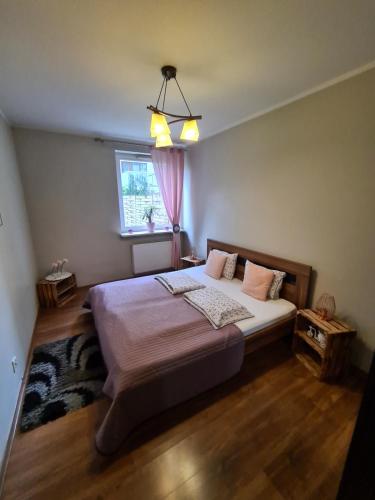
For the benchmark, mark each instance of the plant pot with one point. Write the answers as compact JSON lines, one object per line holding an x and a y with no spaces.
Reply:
{"x":150,"y":227}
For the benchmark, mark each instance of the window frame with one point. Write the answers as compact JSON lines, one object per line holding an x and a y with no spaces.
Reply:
{"x":135,"y":157}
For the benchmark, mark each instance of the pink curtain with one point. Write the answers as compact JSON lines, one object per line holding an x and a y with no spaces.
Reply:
{"x":169,"y":172}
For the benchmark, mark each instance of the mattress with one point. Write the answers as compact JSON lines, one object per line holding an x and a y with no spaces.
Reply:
{"x":265,"y":313}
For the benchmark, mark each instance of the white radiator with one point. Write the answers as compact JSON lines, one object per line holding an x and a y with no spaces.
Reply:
{"x":149,"y":257}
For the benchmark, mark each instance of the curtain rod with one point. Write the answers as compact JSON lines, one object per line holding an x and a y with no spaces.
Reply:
{"x":131,"y":143}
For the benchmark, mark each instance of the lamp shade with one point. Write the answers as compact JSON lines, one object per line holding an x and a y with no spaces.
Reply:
{"x":190,"y":131}
{"x":163,"y":140}
{"x":158,"y":125}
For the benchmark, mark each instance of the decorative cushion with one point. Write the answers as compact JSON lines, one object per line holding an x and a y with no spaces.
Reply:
{"x":257,"y":281}
{"x":277,"y":283}
{"x":215,"y":265}
{"x":219,"y":309}
{"x":230,"y":264}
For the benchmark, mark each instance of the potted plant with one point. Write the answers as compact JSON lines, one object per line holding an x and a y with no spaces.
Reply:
{"x":148,"y":215}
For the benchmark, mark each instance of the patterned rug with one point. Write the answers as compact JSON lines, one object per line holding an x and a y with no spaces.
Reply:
{"x":64,"y":376}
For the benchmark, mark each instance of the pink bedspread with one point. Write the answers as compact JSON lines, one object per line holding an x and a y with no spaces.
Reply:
{"x":159,"y":351}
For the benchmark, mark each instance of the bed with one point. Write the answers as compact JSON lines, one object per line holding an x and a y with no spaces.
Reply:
{"x":160,"y":351}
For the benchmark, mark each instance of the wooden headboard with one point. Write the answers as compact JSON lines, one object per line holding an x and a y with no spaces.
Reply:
{"x":296,"y":283}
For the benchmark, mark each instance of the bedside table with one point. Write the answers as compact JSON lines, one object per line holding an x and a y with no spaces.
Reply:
{"x":322,"y":346}
{"x":191,"y":262}
{"x":56,"y":293}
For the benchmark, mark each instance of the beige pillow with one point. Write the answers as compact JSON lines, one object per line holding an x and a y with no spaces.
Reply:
{"x":215,"y":265}
{"x":230,"y":264}
{"x":257,"y":281}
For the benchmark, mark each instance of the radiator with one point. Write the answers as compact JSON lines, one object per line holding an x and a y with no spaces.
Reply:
{"x":148,"y":257}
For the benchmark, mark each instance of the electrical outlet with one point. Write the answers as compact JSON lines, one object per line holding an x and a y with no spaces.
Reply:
{"x":14,"y":364}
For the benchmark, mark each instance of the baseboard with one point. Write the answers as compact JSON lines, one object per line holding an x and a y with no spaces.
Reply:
{"x":17,"y":411}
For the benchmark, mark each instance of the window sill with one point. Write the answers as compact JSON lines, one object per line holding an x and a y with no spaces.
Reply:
{"x":142,"y":234}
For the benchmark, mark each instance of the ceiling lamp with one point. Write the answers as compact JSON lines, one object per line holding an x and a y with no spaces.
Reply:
{"x":159,"y":127}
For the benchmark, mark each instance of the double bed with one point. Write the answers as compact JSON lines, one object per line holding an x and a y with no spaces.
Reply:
{"x":160,"y":351}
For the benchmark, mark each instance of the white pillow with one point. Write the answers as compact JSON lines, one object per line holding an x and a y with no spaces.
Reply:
{"x":230,"y":264}
{"x":277,"y":283}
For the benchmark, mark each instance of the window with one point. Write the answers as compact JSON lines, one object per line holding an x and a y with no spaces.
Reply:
{"x":138,"y":190}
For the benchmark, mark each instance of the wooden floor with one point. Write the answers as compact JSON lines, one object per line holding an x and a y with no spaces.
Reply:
{"x":272,"y":432}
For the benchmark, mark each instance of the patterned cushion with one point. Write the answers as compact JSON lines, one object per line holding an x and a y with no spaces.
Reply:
{"x":219,"y":309}
{"x":230,"y":264}
{"x":277,"y":283}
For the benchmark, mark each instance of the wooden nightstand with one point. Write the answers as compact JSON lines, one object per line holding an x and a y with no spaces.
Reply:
{"x":322,"y":346}
{"x":56,"y":293}
{"x":191,"y":262}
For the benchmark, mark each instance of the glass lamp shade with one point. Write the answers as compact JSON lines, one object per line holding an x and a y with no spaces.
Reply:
{"x":190,"y":131}
{"x":163,"y":140}
{"x":158,"y":125}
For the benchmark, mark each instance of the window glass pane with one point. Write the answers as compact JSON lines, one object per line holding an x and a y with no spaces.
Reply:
{"x":139,"y":191}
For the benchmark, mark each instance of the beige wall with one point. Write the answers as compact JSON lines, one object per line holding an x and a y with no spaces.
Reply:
{"x":71,"y":194}
{"x":18,"y":307}
{"x":299,"y":183}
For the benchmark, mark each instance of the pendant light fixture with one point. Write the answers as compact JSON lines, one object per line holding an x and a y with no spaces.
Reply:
{"x":159,"y":127}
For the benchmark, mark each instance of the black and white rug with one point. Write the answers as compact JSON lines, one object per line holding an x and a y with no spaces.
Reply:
{"x":64,"y":376}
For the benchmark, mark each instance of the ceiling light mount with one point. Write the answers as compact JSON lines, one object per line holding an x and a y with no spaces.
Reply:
{"x":169,"y":72}
{"x":159,"y":126}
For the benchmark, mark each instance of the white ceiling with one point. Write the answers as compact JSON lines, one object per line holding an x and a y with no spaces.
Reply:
{"x":92,"y":66}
